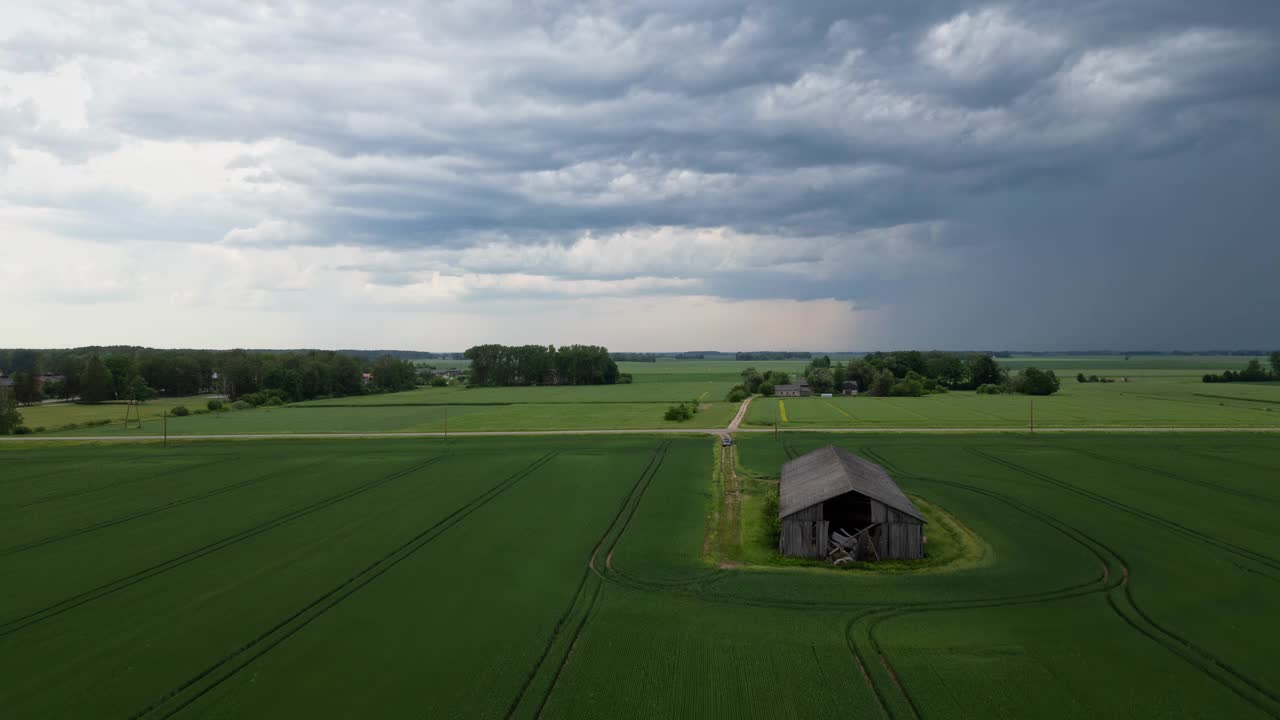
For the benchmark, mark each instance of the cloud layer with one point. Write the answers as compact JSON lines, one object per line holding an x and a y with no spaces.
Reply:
{"x":832,"y":175}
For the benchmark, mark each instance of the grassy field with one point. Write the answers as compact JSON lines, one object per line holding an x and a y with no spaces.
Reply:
{"x":522,"y":577}
{"x":56,"y":415}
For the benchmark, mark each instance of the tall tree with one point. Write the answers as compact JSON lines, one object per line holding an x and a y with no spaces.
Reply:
{"x":95,"y":382}
{"x":984,"y":370}
{"x":10,"y":418}
{"x":26,"y":388}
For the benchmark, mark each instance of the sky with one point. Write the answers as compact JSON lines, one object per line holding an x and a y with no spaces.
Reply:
{"x":669,"y":175}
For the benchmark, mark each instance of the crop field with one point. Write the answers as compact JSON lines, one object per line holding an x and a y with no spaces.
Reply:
{"x":332,"y":417}
{"x":1130,"y":575}
{"x":1146,"y":403}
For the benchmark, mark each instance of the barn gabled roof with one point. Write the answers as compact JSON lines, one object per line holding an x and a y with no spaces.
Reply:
{"x":831,"y":471}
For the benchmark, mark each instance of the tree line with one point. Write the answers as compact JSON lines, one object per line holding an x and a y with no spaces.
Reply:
{"x":99,"y":374}
{"x":1252,"y":372}
{"x":634,"y":357}
{"x":908,"y":373}
{"x":509,"y":365}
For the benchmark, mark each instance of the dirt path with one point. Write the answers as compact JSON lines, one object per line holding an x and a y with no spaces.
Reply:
{"x":742,"y":412}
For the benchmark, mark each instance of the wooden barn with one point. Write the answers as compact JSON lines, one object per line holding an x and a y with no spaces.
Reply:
{"x":831,"y":495}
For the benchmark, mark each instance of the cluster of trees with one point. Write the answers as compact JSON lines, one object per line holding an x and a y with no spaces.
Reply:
{"x":754,"y":381}
{"x":98,"y":374}
{"x":772,"y":355}
{"x":1253,"y":372}
{"x":505,"y":365}
{"x":1093,"y":379}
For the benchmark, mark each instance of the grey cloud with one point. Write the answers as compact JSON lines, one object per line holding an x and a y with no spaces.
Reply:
{"x":425,"y":125}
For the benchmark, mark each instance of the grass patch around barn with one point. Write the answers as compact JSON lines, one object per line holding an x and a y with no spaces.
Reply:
{"x":739,"y":534}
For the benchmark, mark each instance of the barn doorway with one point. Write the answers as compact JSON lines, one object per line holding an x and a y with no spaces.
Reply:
{"x":850,"y":512}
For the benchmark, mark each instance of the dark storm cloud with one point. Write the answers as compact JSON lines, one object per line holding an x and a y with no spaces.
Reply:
{"x":421,"y":125}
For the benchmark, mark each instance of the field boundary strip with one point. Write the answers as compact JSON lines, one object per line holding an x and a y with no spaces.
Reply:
{"x":49,"y":611}
{"x":241,"y":657}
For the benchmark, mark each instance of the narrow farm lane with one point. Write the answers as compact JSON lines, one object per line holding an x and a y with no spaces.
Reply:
{"x":742,"y":412}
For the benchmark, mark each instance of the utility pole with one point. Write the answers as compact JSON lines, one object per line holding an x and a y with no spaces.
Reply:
{"x":1033,"y":414}
{"x":166,"y":427}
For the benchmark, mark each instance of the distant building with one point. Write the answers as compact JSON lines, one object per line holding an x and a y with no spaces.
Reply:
{"x":6,"y":381}
{"x":849,"y":387}
{"x":48,"y":378}
{"x":366,"y":378}
{"x":792,"y":390}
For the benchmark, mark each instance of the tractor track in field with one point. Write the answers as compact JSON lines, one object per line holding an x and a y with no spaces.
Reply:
{"x":235,"y":661}
{"x":13,"y":625}
{"x":590,"y":570}
{"x":1226,"y":458}
{"x":1120,"y":599}
{"x":89,"y":491}
{"x":1172,"y":476}
{"x":1257,"y":557}
{"x":147,"y":512}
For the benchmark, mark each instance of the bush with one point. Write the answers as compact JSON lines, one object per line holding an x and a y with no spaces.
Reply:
{"x":907,"y":388}
{"x":772,"y":523}
{"x":1081,"y":378}
{"x":882,"y":384}
{"x":273,"y":401}
{"x":1034,"y":381}
{"x":180,"y":411}
{"x":215,"y":405}
{"x":40,"y":428}
{"x":625,"y":379}
{"x":439,"y":381}
{"x":241,"y":405}
{"x":990,"y":389}
{"x":737,"y":394}
{"x":678,"y":413}
{"x":766,"y":389}
{"x":21,"y":430}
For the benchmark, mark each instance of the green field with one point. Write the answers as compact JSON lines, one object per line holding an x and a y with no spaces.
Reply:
{"x":1157,"y":392}
{"x":1130,"y":575}
{"x":55,"y":415}
{"x":1145,"y":403}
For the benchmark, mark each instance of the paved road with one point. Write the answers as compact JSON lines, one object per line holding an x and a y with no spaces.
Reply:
{"x":654,"y":431}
